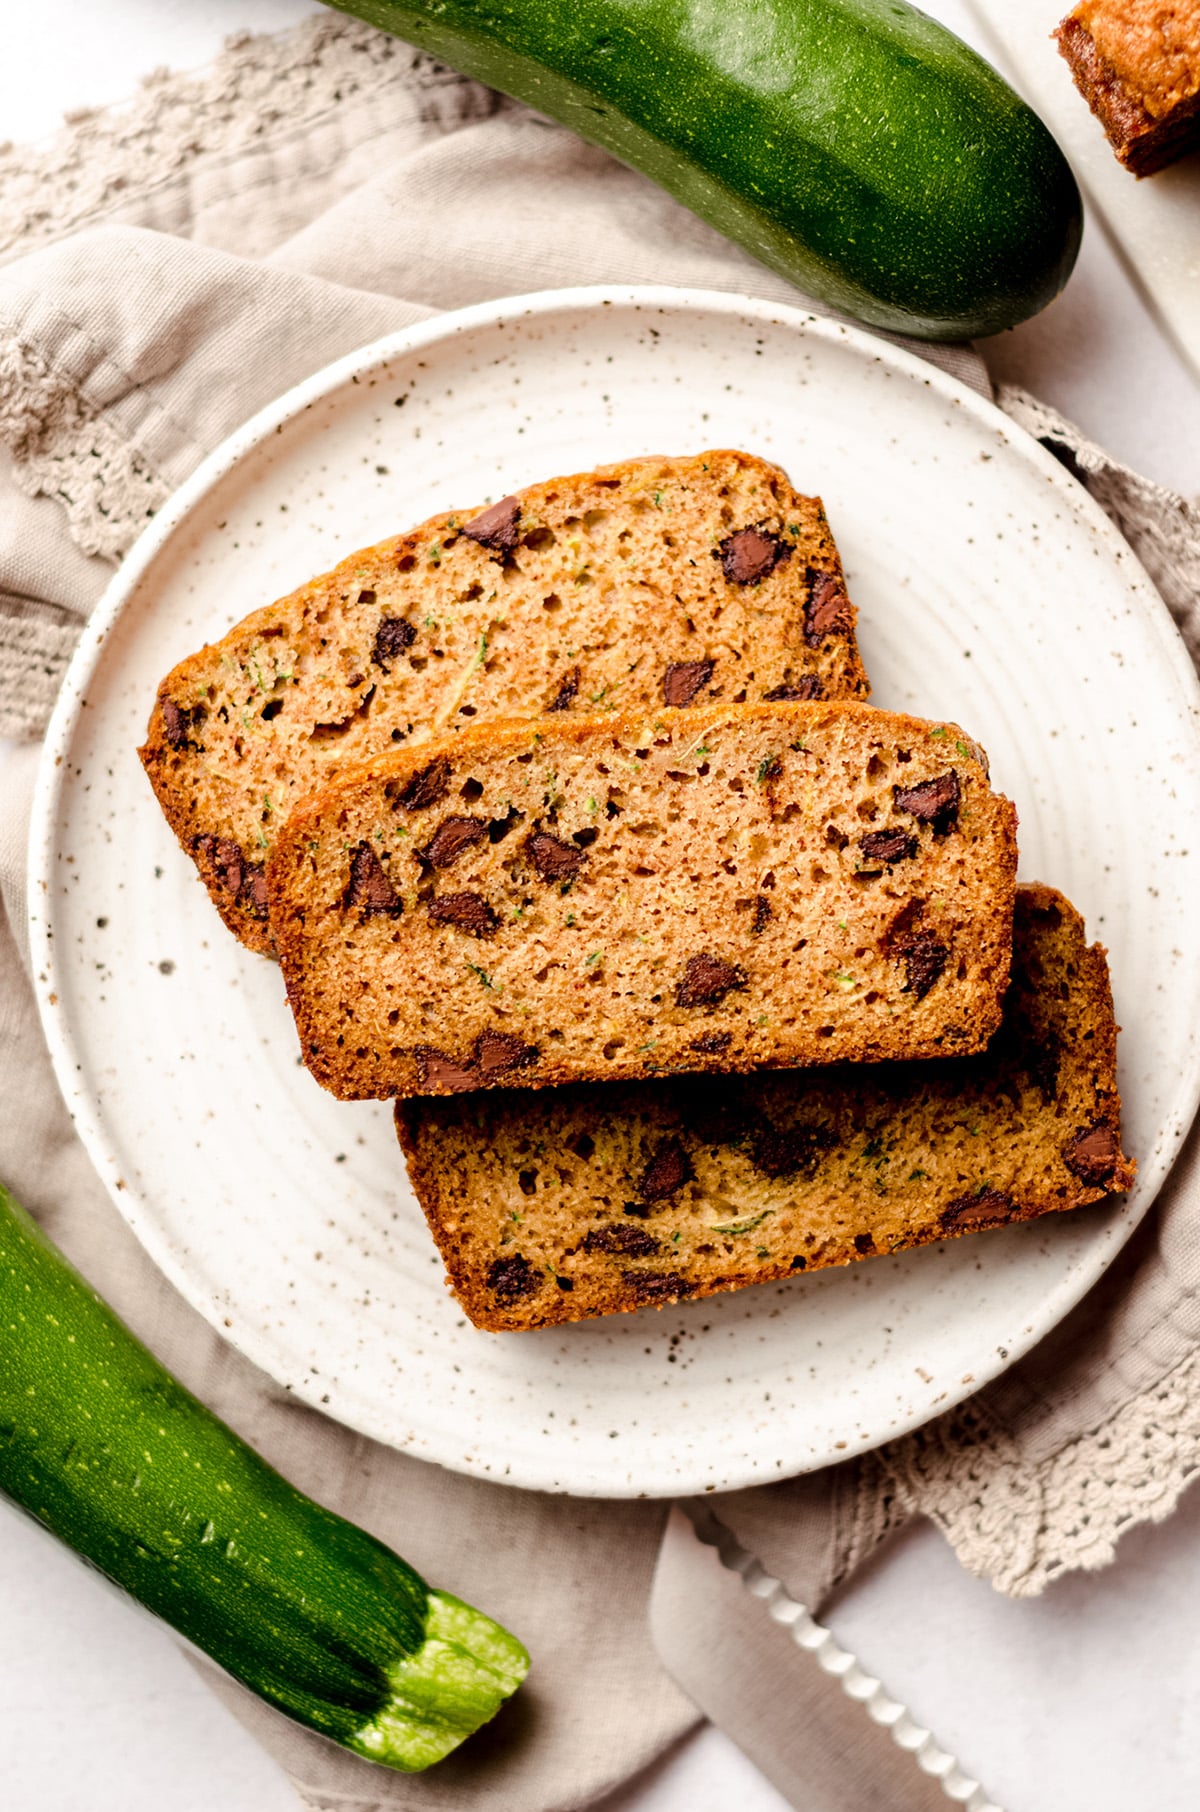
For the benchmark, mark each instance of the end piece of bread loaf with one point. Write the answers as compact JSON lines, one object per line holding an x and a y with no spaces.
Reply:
{"x":1137,"y":65}
{"x":654,"y":582}
{"x":570,"y":1203}
{"x":606,"y":898}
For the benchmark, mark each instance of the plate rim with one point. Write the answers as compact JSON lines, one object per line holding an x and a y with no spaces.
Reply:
{"x":174,"y":514}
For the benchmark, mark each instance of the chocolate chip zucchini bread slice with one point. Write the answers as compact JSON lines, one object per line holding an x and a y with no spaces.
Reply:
{"x":593,"y":899}
{"x":655,"y":582}
{"x":574,"y":1202}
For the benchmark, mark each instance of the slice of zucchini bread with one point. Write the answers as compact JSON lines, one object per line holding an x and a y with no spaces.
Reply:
{"x":568,"y":900}
{"x":653,"y":582}
{"x":569,"y":1203}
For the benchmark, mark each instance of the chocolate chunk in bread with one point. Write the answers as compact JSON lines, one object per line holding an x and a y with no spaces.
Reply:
{"x":933,"y":801}
{"x":684,"y":679}
{"x":393,"y":637}
{"x":496,"y":528}
{"x":807,"y":686}
{"x":666,"y":1172}
{"x":827,"y":611}
{"x":368,"y":887}
{"x":469,"y":911}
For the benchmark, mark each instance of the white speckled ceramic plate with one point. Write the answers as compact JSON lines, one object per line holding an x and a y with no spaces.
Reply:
{"x":990,"y":590}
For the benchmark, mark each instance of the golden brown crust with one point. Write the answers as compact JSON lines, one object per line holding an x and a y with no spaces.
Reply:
{"x":706,"y":576}
{"x":597,"y":1200}
{"x":1137,"y":64}
{"x":721,"y":889}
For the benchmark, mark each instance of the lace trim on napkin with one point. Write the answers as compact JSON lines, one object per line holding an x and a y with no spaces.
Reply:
{"x":1021,"y":1524}
{"x":62,"y":448}
{"x":258,"y":86}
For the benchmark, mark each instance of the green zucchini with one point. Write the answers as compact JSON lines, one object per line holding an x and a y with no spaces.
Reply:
{"x":855,"y":146}
{"x":106,"y":1449}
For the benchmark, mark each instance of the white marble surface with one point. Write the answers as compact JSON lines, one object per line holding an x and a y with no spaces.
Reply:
{"x":1085,"y":1701}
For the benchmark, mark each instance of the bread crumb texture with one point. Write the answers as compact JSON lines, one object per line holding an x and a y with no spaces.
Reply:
{"x":555,"y":1206}
{"x":611,"y":898}
{"x":655,"y":582}
{"x":1152,"y":46}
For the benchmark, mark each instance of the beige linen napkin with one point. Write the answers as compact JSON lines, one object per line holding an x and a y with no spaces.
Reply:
{"x":164,"y":271}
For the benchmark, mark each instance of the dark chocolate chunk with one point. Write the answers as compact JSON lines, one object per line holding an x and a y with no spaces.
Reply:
{"x":970,"y":1213}
{"x":393,"y":636}
{"x":568,"y":686}
{"x":827,"y":609}
{"x":667,"y":1171}
{"x":239,"y":880}
{"x":657,"y":1286}
{"x":932,"y":801}
{"x":707,"y":979}
{"x":510,"y":1279}
{"x":452,"y":836}
{"x":712,"y":1043}
{"x":426,"y":787}
{"x":684,"y":679}
{"x":496,"y":527}
{"x":227,"y":861}
{"x":554,"y":859}
{"x":924,"y":960}
{"x":252,"y":895}
{"x":1092,"y":1155}
{"x":442,"y":1073}
{"x":630,"y":1242}
{"x":887,"y":846}
{"x":368,"y":887}
{"x":864,"y":1244}
{"x":806,"y":687}
{"x":176,"y":724}
{"x":497,"y":1052}
{"x":762,"y":912}
{"x":788,"y":1152}
{"x":750,"y":554}
{"x":470,"y":912}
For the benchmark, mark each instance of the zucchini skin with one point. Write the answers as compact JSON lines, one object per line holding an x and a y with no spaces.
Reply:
{"x":854,"y":146}
{"x":103,"y":1446}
